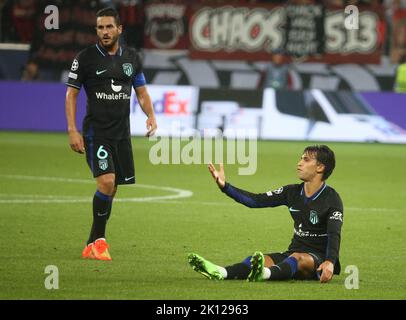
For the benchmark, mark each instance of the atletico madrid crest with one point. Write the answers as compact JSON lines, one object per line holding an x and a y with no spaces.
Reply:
{"x":103,"y":164}
{"x":128,"y":69}
{"x":314,"y":218}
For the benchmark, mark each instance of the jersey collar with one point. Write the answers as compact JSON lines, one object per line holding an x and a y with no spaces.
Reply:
{"x":316,"y":194}
{"x":104,"y":53}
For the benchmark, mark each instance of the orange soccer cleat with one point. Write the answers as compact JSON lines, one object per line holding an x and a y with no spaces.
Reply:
{"x":87,"y":252}
{"x":100,"y":250}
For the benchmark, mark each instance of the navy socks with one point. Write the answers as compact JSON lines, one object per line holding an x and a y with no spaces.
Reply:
{"x":101,"y":212}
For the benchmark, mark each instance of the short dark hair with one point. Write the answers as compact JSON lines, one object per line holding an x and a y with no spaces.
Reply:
{"x":325,"y":156}
{"x":109,"y":12}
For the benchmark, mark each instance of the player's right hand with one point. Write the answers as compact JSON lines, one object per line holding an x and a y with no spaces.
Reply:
{"x":219,"y":175}
{"x":326,"y":269}
{"x":76,"y":142}
{"x":151,"y":126}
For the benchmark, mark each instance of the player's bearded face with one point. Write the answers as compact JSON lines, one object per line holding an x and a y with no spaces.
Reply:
{"x":107,"y":31}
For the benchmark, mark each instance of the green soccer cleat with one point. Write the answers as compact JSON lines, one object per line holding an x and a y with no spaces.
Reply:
{"x":257,"y":267}
{"x":204,"y":267}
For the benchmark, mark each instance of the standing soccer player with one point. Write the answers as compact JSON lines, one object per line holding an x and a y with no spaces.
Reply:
{"x":108,"y":72}
{"x":317,"y":212}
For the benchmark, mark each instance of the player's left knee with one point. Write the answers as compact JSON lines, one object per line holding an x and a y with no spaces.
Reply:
{"x":304,"y":261}
{"x":297,"y":256}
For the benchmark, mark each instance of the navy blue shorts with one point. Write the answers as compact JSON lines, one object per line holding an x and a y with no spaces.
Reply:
{"x":111,"y":156}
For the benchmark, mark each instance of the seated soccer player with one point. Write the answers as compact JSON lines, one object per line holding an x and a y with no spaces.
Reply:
{"x":317,"y":213}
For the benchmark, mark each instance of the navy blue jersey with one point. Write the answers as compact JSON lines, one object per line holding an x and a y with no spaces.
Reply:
{"x":107,"y":80}
{"x":317,"y":220}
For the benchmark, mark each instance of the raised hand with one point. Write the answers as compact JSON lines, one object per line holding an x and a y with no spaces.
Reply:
{"x":218,"y":175}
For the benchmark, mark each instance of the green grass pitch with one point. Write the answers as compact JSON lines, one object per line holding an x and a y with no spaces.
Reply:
{"x":45,"y":220}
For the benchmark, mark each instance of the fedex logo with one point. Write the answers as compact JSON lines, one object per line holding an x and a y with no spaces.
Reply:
{"x":169,"y":100}
{"x":171,"y":104}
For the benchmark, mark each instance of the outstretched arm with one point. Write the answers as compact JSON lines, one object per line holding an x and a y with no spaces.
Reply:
{"x":248,"y":199}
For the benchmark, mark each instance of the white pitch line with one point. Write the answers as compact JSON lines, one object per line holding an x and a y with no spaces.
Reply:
{"x":19,"y":195}
{"x":159,"y":199}
{"x":179,"y":193}
{"x":38,"y":178}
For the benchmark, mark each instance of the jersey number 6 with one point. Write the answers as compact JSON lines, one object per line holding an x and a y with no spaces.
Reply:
{"x":101,"y":153}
